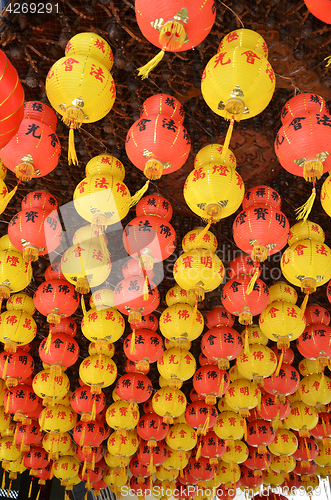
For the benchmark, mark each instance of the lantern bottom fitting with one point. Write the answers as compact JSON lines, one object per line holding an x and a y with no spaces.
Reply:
{"x":86,"y":417}
{"x":210,"y":399}
{"x":82,"y":286}
{"x":213,"y":461}
{"x":223,"y":364}
{"x":283,"y":343}
{"x":99,"y":222}
{"x":304,"y":433}
{"x":95,"y":389}
{"x":152,"y":443}
{"x":4,"y":291}
{"x":212,"y":211}
{"x":259,"y":253}
{"x":11,"y":346}
{"x":197,"y":292}
{"x":312,"y":169}
{"x":245,"y":316}
{"x":54,"y":316}
{"x":235,"y":107}
{"x":12,"y":475}
{"x":308,"y":285}
{"x":25,"y":171}
{"x":11,"y":382}
{"x":73,"y":117}
{"x":153,"y":169}
{"x":30,"y":254}
{"x":134,"y":317}
{"x":168,"y":419}
{"x":143,"y":364}
{"x":244,"y":412}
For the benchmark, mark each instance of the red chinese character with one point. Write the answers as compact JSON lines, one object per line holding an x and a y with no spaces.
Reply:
{"x":220,"y":169}
{"x":314,"y":227}
{"x":188,"y":359}
{"x":270,"y":72}
{"x":121,"y":189}
{"x":187,"y":261}
{"x":123,"y":411}
{"x":232,"y":421}
{"x":232,"y":36}
{"x":44,"y":376}
{"x":239,"y":181}
{"x":206,"y":261}
{"x":101,"y":183}
{"x":11,"y":320}
{"x":316,"y":385}
{"x":78,"y":251}
{"x":299,"y":249}
{"x":250,"y":56}
{"x":258,"y":355}
{"x":321,"y":249}
{"x":172,"y":358}
{"x":81,"y":187}
{"x":97,"y":254}
{"x":93,"y":316}
{"x":27,"y":324}
{"x":231,"y":392}
{"x":292,"y":312}
{"x":100,"y":44}
{"x":198,"y":174}
{"x":12,"y":260}
{"x":272,"y":312}
{"x":110,"y":315}
{"x":184,"y":314}
{"x":219,"y":59}
{"x":97,"y":72}
{"x":68,"y":63}
{"x":112,"y":89}
{"x":168,"y":397}
{"x":166,"y":318}
{"x":244,"y":391}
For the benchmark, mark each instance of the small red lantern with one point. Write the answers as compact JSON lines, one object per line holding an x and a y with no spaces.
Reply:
{"x":152,"y":455}
{"x":201,"y":469}
{"x":302,"y":470}
{"x":222,"y":344}
{"x":12,"y":100}
{"x":272,"y":409}
{"x":257,"y":461}
{"x":307,"y":450}
{"x":56,"y":299}
{"x":288,"y":354}
{"x":22,"y":401}
{"x":35,"y":458}
{"x":62,"y":353}
{"x":219,"y":316}
{"x":315,"y":342}
{"x":212,"y":447}
{"x":144,"y":346}
{"x":91,"y":476}
{"x":89,"y":434}
{"x":286,"y":382}
{"x":15,"y":366}
{"x":201,"y":416}
{"x":151,"y":428}
{"x":260,"y":433}
{"x":66,"y":325}
{"x":211,"y":382}
{"x":85,"y":403}
{"x":28,"y":434}
{"x":244,"y":264}
{"x":134,"y":297}
{"x":317,"y":314}
{"x":134,"y":388}
{"x":323,"y":428}
{"x":138,"y":469}
{"x":150,"y":322}
{"x":91,"y":456}
{"x":251,"y":479}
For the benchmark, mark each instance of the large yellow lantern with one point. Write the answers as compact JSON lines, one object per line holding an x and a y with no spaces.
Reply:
{"x":282,"y":291}
{"x":285,"y":443}
{"x":123,"y":446}
{"x":272,"y":478}
{"x":98,"y":371}
{"x":66,"y":467}
{"x":181,"y":322}
{"x":115,"y":477}
{"x":323,"y":458}
{"x":237,"y":453}
{"x":242,"y":395}
{"x":230,"y":426}
{"x":79,"y":86}
{"x":302,"y":418}
{"x":50,"y":386}
{"x":15,"y":273}
{"x":176,"y":365}
{"x":57,"y":418}
{"x":169,"y":403}
{"x":259,"y":362}
{"x":283,"y":465}
{"x":17,"y":326}
{"x":181,"y":437}
{"x":307,"y":261}
{"x":102,"y":198}
{"x":103,"y":325}
{"x":120,"y":416}
{"x":57,"y":444}
{"x":315,"y":390}
{"x":116,"y":461}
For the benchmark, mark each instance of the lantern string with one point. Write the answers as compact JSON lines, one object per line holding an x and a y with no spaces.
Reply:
{"x":82,"y":303}
{"x":3,"y":484}
{"x":139,"y":194}
{"x":281,"y":357}
{"x":304,"y":304}
{"x":30,"y":488}
{"x":38,"y":494}
{"x":227,"y":139}
{"x":9,"y":488}
{"x":6,"y":199}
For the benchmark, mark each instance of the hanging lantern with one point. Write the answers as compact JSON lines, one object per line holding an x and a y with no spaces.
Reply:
{"x":249,"y":479}
{"x":301,"y":146}
{"x":260,"y":433}
{"x":219,"y":316}
{"x":242,"y":395}
{"x":315,"y":390}
{"x":152,"y":456}
{"x":176,"y":365}
{"x":123,"y":446}
{"x":151,"y":428}
{"x":133,"y":297}
{"x":307,"y":451}
{"x":323,"y":428}
{"x":66,"y":467}
{"x":35,"y":458}
{"x":257,"y":461}
{"x":283,"y":465}
{"x":302,"y":418}
{"x":98,"y":371}
{"x":306,"y":257}
{"x":88,"y":434}
{"x":9,"y":450}
{"x":175,"y":461}
{"x":138,"y":469}
{"x":284,"y":443}
{"x":211,"y":382}
{"x":17,"y":326}
{"x":15,"y":367}
{"x":102,"y":198}
{"x":22,"y":401}
{"x":63,"y":352}
{"x":274,"y":410}
{"x":259,"y":363}
{"x":309,"y":366}
{"x":228,"y":474}
{"x":319,"y":9}
{"x":260,"y":229}
{"x":134,"y":388}
{"x":169,"y":403}
{"x":103,"y":325}
{"x":286,"y":382}
{"x":50,"y":386}
{"x":56,"y":444}
{"x":15,"y":273}
{"x":119,"y":416}
{"x":147,"y":349}
{"x":55,"y":299}
{"x":201,"y":416}
{"x":181,"y":437}
{"x":86,"y":403}
{"x":315,"y":343}
{"x":79,"y":85}
{"x":57,"y":419}
{"x":254,"y":335}
{"x":172,"y":27}
{"x":66,"y":325}
{"x":181,"y":322}
{"x":28,"y":434}
{"x":222,"y":344}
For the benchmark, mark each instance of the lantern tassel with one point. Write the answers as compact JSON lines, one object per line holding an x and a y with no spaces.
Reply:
{"x":3,"y":376}
{"x":82,"y":303}
{"x":84,"y":468}
{"x":133,"y":349}
{"x":227,"y":139}
{"x":3,"y":484}
{"x":194,"y":314}
{"x":38,"y":494}
{"x":30,"y":488}
{"x":327,"y":65}
{"x":9,"y":487}
{"x":307,"y":449}
{"x":304,"y":304}
{"x":202,"y":234}
{"x":139,"y":194}
{"x":72,"y":157}
{"x":279,"y":363}
{"x":275,"y":422}
{"x":94,"y":410}
{"x":304,"y":211}
{"x":4,"y":202}
{"x":206,"y":425}
{"x":144,"y":71}
{"x":82,"y":438}
{"x":48,"y":343}
{"x":198,"y":455}
{"x":246,"y":342}
{"x":145,"y":288}
{"x":252,"y":282}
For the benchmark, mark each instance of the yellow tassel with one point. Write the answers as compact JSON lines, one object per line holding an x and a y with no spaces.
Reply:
{"x":72,"y":157}
{"x":7,"y":402}
{"x":252,"y":282}
{"x":206,"y":424}
{"x":227,"y":139}
{"x":139,"y":194}
{"x":304,"y":211}
{"x":194,"y":314}
{"x":327,"y":65}
{"x":246,"y":342}
{"x":133,"y":342}
{"x":259,"y":401}
{"x":38,"y":494}
{"x":245,"y":429}
{"x":4,"y":202}
{"x":198,"y":455}
{"x":3,"y":484}
{"x":48,"y":343}
{"x":202,"y":234}
{"x":307,"y":449}
{"x":279,"y":363}
{"x":3,"y":376}
{"x":304,"y":304}
{"x":82,"y":438}
{"x":9,"y":488}
{"x":172,"y":35}
{"x":144,"y":71}
{"x":275,"y":422}
{"x":93,"y":461}
{"x":145,"y":288}
{"x":82,"y":303}
{"x":84,"y":468}
{"x":30,"y":488}
{"x":94,"y":410}
{"x":220,"y":394}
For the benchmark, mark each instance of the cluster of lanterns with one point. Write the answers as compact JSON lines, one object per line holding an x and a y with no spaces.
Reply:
{"x":250,"y":420}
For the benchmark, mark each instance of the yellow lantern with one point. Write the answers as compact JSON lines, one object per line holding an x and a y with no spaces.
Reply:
{"x":86,"y":263}
{"x":230,"y":426}
{"x":326,"y":195}
{"x":176,"y":365}
{"x":222,"y":404}
{"x":120,"y":416}
{"x":228,"y":473}
{"x":234,"y":374}
{"x":15,"y":273}
{"x":310,"y":483}
{"x":164,"y":474}
{"x":66,"y":467}
{"x":57,"y":418}
{"x":181,"y":437}
{"x":243,"y":396}
{"x":213,"y":153}
{"x":103,"y":325}
{"x":315,"y":390}
{"x":50,"y":386}
{"x":176,"y":461}
{"x":21,"y":302}
{"x":323,"y":472}
{"x":98,"y":371}
{"x":79,"y":85}
{"x":324,"y":455}
{"x":272,"y":478}
{"x":14,"y":467}
{"x":181,"y":322}
{"x":192,"y":240}
{"x":282,"y":322}
{"x":177,"y":295}
{"x":285,"y":443}
{"x":57,"y":444}
{"x":9,"y":450}
{"x":199,"y":271}
{"x":116,"y":477}
{"x":116,"y":461}
{"x":260,"y":362}
{"x":101,"y":348}
{"x":17,"y":328}
{"x":282,"y":291}
{"x":102,"y":198}
{"x":305,"y":259}
{"x":302,"y":418}
{"x":169,"y":403}
{"x":282,"y":465}
{"x":123,"y":446}
{"x":254,"y":335}
{"x":309,"y":366}
{"x":102,"y":298}
{"x":237,"y":453}
{"x":214,"y":191}
{"x":239,"y":81}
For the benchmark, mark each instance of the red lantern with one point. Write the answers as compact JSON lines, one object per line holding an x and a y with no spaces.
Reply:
{"x":66,"y":325}
{"x":307,"y":450}
{"x":272,"y":409}
{"x":151,"y":428}
{"x":286,"y":382}
{"x":53,"y":272}
{"x":44,"y":474}
{"x":15,"y":366}
{"x":257,"y":461}
{"x":132,"y":366}
{"x":139,"y":487}
{"x":35,"y":110}
{"x":201,"y":469}
{"x":150,"y":322}
{"x":251,"y":479}
{"x":317,"y":314}
{"x":219,"y":316}
{"x":211,"y":382}
{"x":302,"y":470}
{"x":201,"y":416}
{"x":236,"y":300}
{"x":91,"y":456}
{"x":155,"y":204}
{"x":212,"y":447}
{"x":148,"y":406}
{"x":152,"y":455}
{"x":134,"y":297}
{"x":85,"y":403}
{"x":134,"y":388}
{"x":144,"y":345}
{"x":33,"y":152}
{"x":91,"y":476}
{"x":35,"y":458}
{"x":63,"y":351}
{"x":28,"y":434}
{"x":323,"y":428}
{"x":89,"y":434}
{"x":315,"y":342}
{"x":222,"y":344}
{"x":56,"y":299}
{"x":288,"y":354}
{"x":260,"y":433}
{"x":261,"y":195}
{"x":319,"y":9}
{"x":22,"y":401}
{"x":12,"y":100}
{"x":139,"y":469}
{"x":195,"y":396}
{"x":186,"y":477}
{"x":244,"y":264}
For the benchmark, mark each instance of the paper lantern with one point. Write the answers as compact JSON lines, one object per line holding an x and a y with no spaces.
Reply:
{"x":22,"y":401}
{"x":201,"y":416}
{"x":211,"y":382}
{"x":103,"y":325}
{"x":284,"y":443}
{"x":123,"y":446}
{"x":56,"y":444}
{"x":148,"y":346}
{"x":49,"y":386}
{"x":56,"y":299}
{"x":302,"y":418}
{"x":15,"y":273}
{"x":98,"y":371}
{"x":260,"y":433}
{"x":181,"y":437}
{"x":86,"y":403}
{"x":151,"y":427}
{"x":15,"y":367}
{"x":57,"y":418}
{"x":134,"y":388}
{"x":286,"y":382}
{"x":134,"y":298}
{"x":315,"y":390}
{"x":169,"y":403}
{"x":242,"y":395}
{"x":259,"y":362}
{"x":176,"y":365}
{"x":180,"y":322}
{"x":120,"y":416}
{"x":222,"y":344}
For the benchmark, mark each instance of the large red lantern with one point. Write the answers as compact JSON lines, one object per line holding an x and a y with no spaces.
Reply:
{"x":152,"y":455}
{"x":62,"y":353}
{"x":201,"y":469}
{"x":211,"y":382}
{"x":286,"y":382}
{"x":15,"y":367}
{"x":12,"y":100}
{"x":260,"y":433}
{"x":144,"y":346}
{"x":222,"y":344}
{"x":134,"y":297}
{"x":212,"y":447}
{"x":56,"y":299}
{"x":86,"y":403}
{"x":28,"y":434}
{"x":35,"y":458}
{"x":151,"y":428}
{"x":134,"y":388}
{"x":307,"y":450}
{"x":201,"y":416}
{"x":89,"y":434}
{"x":22,"y":401}
{"x":138,"y":469}
{"x":251,"y":479}
{"x":273,"y":409}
